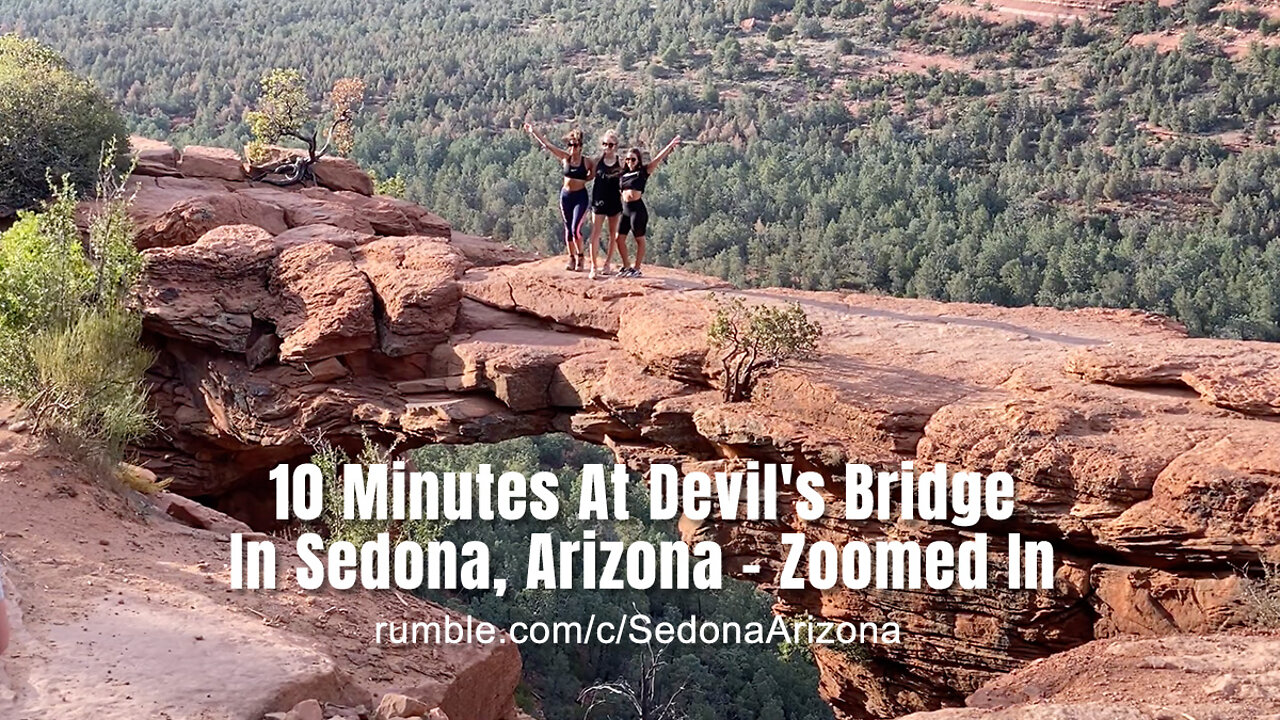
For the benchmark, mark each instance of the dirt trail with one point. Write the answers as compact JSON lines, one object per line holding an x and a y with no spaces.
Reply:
{"x":121,"y":613}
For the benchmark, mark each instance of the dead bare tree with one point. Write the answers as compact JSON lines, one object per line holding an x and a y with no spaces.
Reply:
{"x":646,"y":699}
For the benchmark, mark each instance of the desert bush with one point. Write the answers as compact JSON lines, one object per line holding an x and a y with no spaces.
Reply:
{"x":757,"y":338}
{"x":69,"y":344}
{"x":393,"y":186}
{"x":52,"y":122}
{"x":1261,"y":598}
{"x":89,"y":390}
{"x":43,"y":275}
{"x":810,"y":27}
{"x":331,"y":458}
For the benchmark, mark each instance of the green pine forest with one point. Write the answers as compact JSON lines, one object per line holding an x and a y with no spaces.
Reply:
{"x":1052,"y":164}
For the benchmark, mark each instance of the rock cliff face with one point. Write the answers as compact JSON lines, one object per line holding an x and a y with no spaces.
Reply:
{"x":1151,"y":460}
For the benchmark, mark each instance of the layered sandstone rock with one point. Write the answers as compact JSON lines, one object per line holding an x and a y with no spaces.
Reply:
{"x":209,"y":162}
{"x":152,"y":157}
{"x":1149,"y":459}
{"x":1223,"y":677}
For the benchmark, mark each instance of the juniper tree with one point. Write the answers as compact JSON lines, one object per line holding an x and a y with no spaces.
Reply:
{"x":284,"y":110}
{"x":757,"y":338}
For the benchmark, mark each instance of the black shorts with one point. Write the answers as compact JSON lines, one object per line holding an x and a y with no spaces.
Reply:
{"x":635,"y":219}
{"x":608,"y":206}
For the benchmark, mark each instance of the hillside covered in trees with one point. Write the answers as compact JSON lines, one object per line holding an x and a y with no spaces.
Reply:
{"x":912,"y":148}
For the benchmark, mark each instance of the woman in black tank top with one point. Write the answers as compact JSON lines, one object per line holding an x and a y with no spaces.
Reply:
{"x":606,"y":203}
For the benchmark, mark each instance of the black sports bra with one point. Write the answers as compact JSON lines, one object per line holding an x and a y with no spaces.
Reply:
{"x":578,"y":172}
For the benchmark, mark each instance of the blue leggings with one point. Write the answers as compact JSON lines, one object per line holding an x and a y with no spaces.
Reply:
{"x":573,"y":208}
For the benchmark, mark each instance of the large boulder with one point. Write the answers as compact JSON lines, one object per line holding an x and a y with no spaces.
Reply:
{"x":323,"y":232}
{"x":338,"y":173}
{"x":669,"y":338}
{"x":153,"y":157}
{"x":321,"y":304}
{"x":211,"y":162}
{"x":390,"y":216}
{"x":485,"y":252}
{"x":207,"y":292}
{"x":416,"y":282}
{"x":322,"y":208}
{"x":168,"y":212}
{"x":1242,"y":376}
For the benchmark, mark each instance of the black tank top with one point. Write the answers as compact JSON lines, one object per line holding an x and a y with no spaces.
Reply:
{"x":607,"y":175}
{"x":576,"y":172}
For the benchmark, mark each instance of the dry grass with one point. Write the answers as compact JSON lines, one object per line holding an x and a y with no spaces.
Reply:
{"x":1261,"y":597}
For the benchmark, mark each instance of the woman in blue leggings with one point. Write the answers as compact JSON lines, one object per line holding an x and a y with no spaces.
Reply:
{"x":574,"y":200}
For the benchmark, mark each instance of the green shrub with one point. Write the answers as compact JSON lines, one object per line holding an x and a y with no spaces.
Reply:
{"x":393,"y":186}
{"x":44,"y":273}
{"x":810,"y":27}
{"x":89,"y":379}
{"x":69,"y":344}
{"x":331,"y":459}
{"x":51,"y":123}
{"x":1261,"y":598}
{"x":757,"y":338}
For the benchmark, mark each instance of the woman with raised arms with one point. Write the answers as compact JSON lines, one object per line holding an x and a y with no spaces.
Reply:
{"x":635,"y":216}
{"x":573,"y":191}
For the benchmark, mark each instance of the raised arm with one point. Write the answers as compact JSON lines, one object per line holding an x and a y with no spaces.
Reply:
{"x":546,"y":144}
{"x":662,"y":155}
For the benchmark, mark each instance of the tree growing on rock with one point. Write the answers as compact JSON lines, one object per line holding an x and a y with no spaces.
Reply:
{"x":285,"y":111}
{"x":756,"y":338}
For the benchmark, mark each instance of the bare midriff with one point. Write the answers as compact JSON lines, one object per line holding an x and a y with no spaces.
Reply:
{"x":632,"y":195}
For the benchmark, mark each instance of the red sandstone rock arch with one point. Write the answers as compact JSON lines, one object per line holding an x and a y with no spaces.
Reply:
{"x":1150,"y":459}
